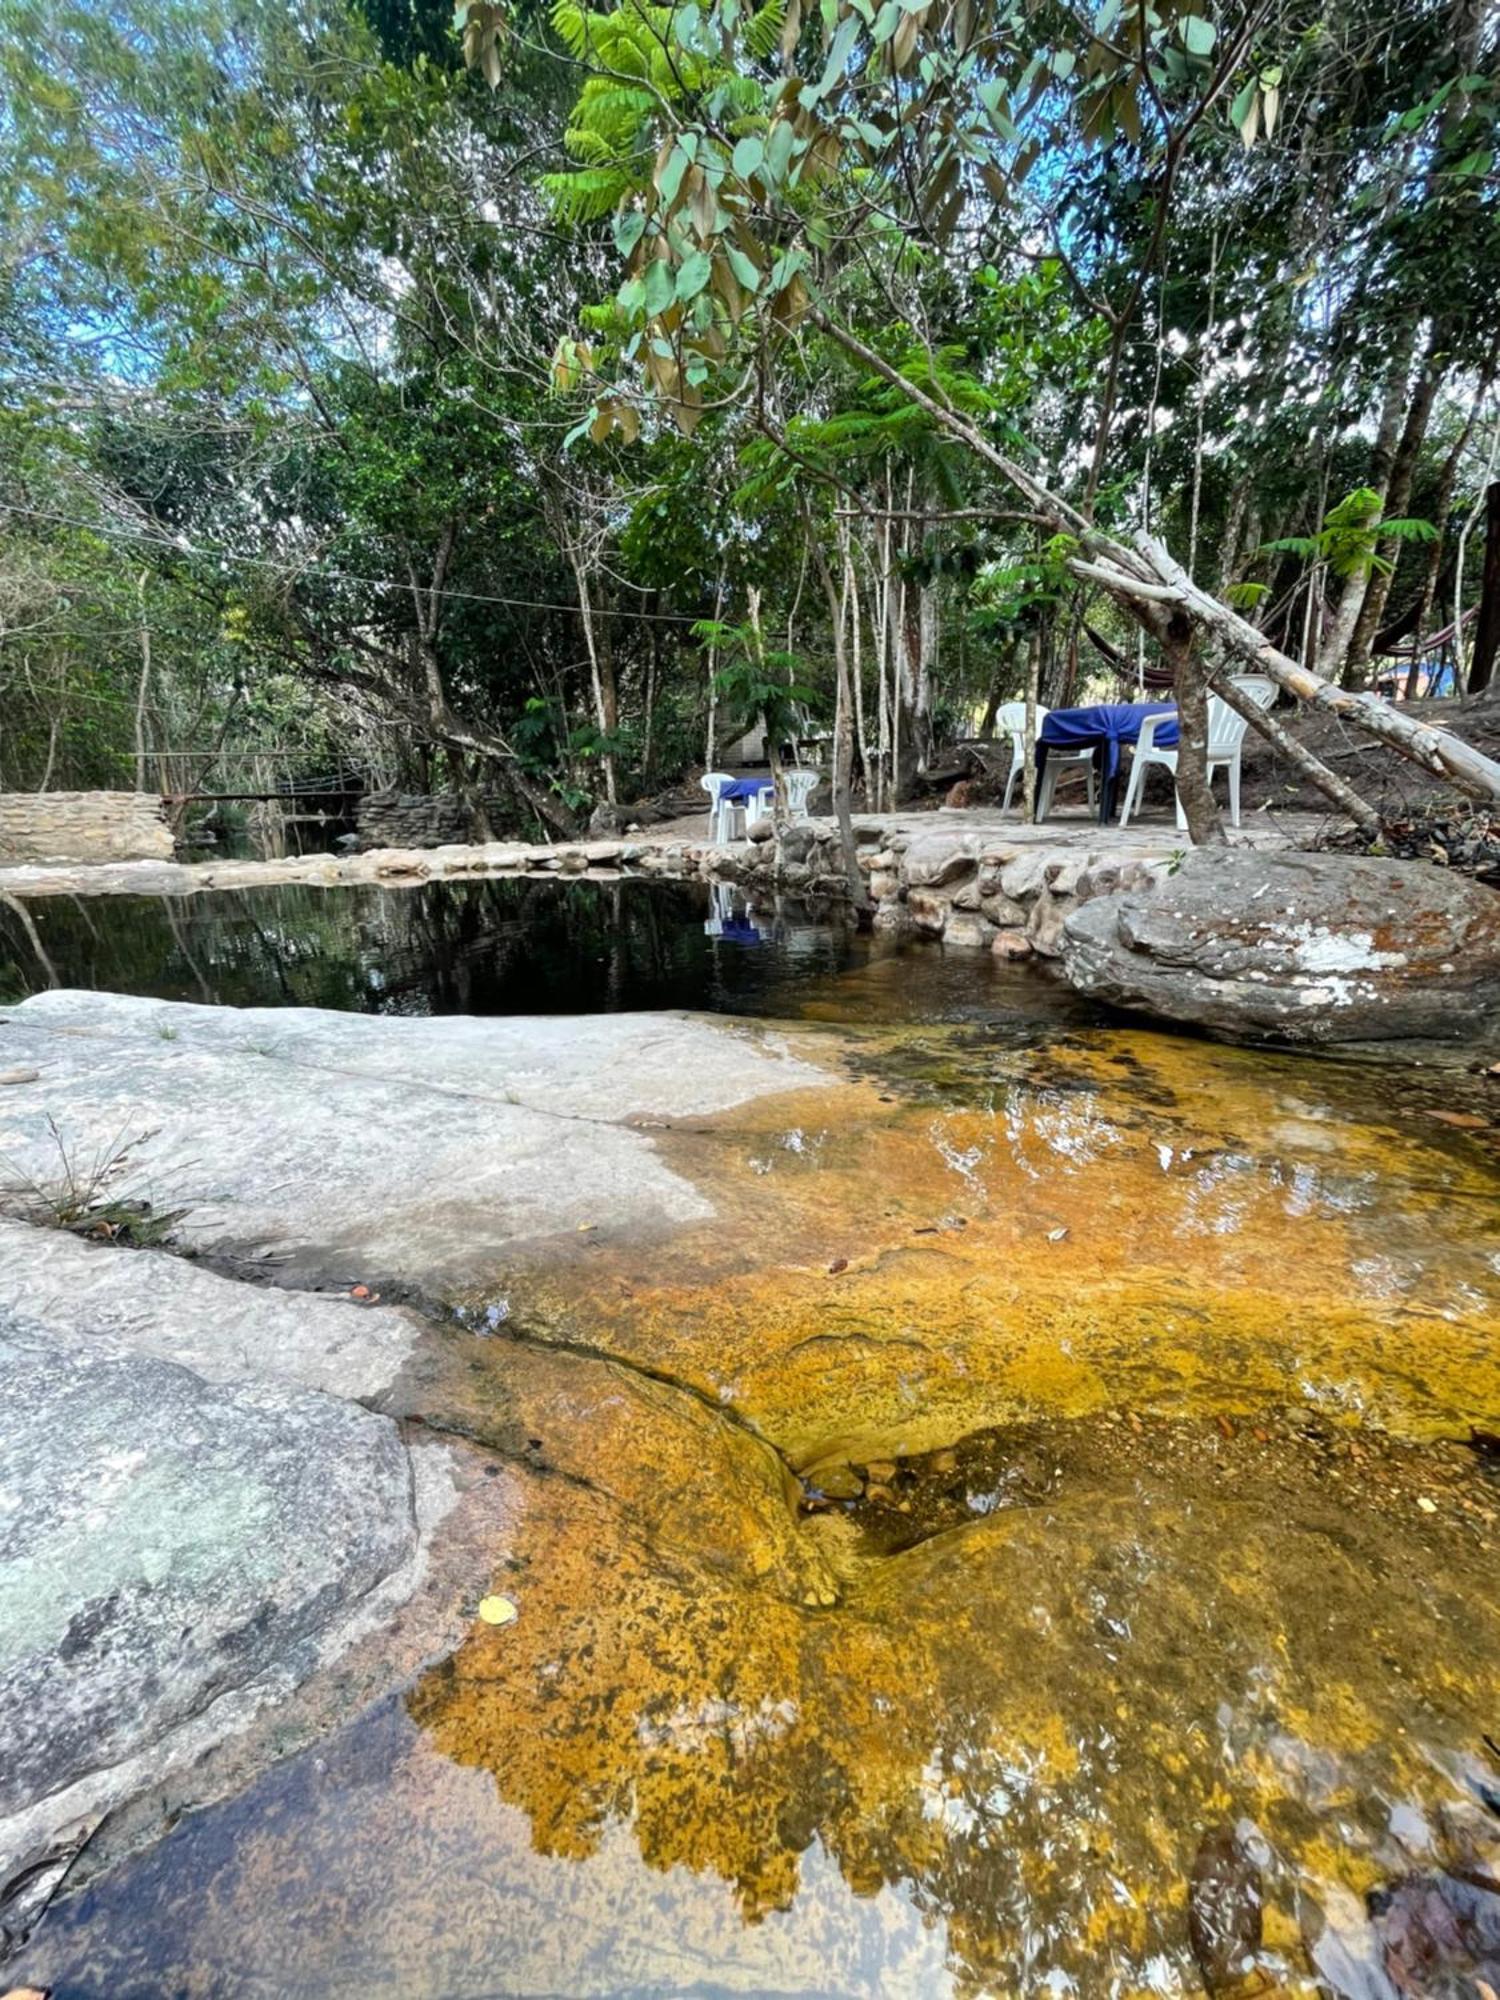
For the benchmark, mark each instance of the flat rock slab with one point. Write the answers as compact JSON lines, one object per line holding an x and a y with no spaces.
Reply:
{"x":1297,"y":948}
{"x":359,"y":1147}
{"x":165,"y":1541}
{"x":225,"y":1331}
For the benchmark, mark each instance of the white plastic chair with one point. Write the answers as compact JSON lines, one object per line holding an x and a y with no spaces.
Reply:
{"x":723,"y":814}
{"x":1011,"y":717}
{"x":800,"y":786}
{"x":1226,"y":739}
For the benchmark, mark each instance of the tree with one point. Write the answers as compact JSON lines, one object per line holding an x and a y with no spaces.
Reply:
{"x":750,"y":193}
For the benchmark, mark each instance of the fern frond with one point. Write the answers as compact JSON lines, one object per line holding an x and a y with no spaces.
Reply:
{"x":570,"y":24}
{"x":763,"y":30}
{"x":587,"y":195}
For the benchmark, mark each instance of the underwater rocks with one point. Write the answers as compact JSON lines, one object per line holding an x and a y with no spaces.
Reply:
{"x":1297,"y":947}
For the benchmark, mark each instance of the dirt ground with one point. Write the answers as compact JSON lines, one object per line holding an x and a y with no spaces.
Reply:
{"x":1397,"y":788}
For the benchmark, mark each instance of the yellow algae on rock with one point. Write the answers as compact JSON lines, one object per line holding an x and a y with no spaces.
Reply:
{"x":883,"y":1270}
{"x":1024,"y":1723}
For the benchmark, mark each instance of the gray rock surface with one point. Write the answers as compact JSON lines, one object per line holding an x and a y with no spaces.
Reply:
{"x":223,"y":1330}
{"x":365,"y":1147}
{"x":165,"y":1541}
{"x":1297,"y":947}
{"x":941,"y":858}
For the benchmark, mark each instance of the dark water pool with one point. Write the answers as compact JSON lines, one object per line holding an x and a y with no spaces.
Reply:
{"x":502,"y":947}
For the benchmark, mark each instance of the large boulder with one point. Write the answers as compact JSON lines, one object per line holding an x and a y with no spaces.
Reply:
{"x":166,"y":1542}
{"x":1296,"y":947}
{"x":373,"y":1147}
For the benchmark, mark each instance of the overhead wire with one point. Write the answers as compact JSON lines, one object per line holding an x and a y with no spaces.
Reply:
{"x":141,"y":538}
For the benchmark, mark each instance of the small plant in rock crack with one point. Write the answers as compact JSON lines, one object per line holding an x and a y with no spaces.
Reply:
{"x":100,"y":1194}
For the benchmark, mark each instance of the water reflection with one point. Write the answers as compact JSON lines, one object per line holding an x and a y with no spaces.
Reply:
{"x":482,"y":947}
{"x":511,"y":946}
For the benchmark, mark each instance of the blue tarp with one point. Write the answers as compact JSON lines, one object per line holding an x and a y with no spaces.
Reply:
{"x":1109,"y":723}
{"x":745,"y":788}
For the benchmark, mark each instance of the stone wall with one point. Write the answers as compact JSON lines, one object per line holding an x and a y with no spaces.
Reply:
{"x":411,"y":819}
{"x":84,"y":826}
{"x":971,"y":890}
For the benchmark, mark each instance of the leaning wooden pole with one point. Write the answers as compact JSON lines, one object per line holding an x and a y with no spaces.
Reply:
{"x":1151,"y":584}
{"x":1156,"y":578}
{"x":1302,"y":760}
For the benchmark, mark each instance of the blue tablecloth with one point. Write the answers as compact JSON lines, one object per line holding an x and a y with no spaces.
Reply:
{"x":745,"y":788}
{"x":1107,"y":724}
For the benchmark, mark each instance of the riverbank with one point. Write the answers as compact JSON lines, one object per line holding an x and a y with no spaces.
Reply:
{"x":924,"y":870}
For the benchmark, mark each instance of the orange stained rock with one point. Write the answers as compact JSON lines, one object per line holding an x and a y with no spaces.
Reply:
{"x":1024,"y":1724}
{"x":1125,"y":1219}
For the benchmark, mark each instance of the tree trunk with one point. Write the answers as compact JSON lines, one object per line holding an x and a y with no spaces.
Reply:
{"x":843,"y":723}
{"x":710,"y":745}
{"x":603,"y":694}
{"x":1335,"y":643}
{"x":1190,"y":685}
{"x":1033,"y":683}
{"x":1398,"y":499}
{"x":1433,"y":571}
{"x":1487,"y":629}
{"x":143,"y":685}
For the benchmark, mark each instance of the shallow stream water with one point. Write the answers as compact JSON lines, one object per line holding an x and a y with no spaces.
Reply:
{"x":1054,"y":1495}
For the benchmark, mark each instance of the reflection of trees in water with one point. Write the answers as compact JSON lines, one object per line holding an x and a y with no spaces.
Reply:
{"x":498,"y":946}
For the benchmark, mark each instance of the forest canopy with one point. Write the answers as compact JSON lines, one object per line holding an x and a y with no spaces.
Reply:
{"x":518,"y":406}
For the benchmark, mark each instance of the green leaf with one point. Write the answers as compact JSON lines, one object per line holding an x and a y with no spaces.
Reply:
{"x":660,"y":289}
{"x":778,"y":152}
{"x":629,"y":229}
{"x":692,"y":275}
{"x":839,"y":50}
{"x":1198,"y":35}
{"x":748,"y":156}
{"x":672,"y":173}
{"x":745,"y":272}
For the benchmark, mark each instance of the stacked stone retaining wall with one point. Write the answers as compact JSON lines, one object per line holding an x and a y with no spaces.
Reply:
{"x":411,"y":819}
{"x":973,"y":891}
{"x":84,"y":826}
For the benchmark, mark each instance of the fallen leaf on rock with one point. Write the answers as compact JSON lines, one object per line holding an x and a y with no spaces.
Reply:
{"x":497,"y":1610}
{"x":1056,"y":1235}
{"x":359,"y":1291}
{"x":30,"y":1076}
{"x":838,"y":1264}
{"x":1466,"y":1121}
